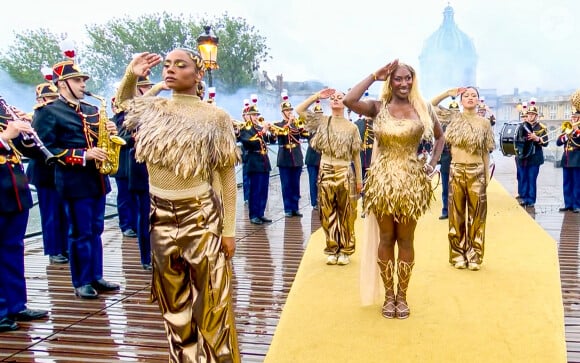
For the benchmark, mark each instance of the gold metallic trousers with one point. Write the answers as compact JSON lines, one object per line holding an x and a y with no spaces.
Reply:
{"x":192,"y":279}
{"x":337,"y":203}
{"x":467,"y":212}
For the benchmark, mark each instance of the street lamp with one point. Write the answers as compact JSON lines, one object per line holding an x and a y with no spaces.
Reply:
{"x":207,"y":43}
{"x":519,"y":108}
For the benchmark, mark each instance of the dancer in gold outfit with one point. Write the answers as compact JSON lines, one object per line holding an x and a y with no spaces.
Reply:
{"x":190,"y":151}
{"x":471,"y":140}
{"x":338,"y":140}
{"x":398,"y":188}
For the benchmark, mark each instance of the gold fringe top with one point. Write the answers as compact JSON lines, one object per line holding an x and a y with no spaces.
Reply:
{"x":471,"y":133}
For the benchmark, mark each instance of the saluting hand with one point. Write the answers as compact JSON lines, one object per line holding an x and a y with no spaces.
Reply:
{"x":384,"y":72}
{"x":143,"y":62}
{"x":325,"y":93}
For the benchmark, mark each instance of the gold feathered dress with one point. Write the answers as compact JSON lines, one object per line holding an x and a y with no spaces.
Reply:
{"x":471,"y":140}
{"x":190,"y":151}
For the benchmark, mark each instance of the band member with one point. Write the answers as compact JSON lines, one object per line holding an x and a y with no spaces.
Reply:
{"x":190,"y":151}
{"x":52,"y":212}
{"x":444,"y":115}
{"x":531,"y":137}
{"x":137,"y":179}
{"x":570,"y":140}
{"x":14,"y":209}
{"x":246,"y":122}
{"x":69,"y":128}
{"x":312,"y":161}
{"x":290,"y":159}
{"x":337,"y":139}
{"x":365,"y":129}
{"x":255,"y":139}
{"x":483,"y":110}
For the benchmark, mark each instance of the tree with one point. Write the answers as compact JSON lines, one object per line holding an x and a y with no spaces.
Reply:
{"x":31,"y":50}
{"x":110,"y":47}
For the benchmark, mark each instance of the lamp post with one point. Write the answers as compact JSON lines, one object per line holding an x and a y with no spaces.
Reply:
{"x":207,"y":43}
{"x":519,"y":108}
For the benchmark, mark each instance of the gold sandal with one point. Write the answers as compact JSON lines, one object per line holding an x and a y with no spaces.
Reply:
{"x":389,"y":310}
{"x":402,"y":309}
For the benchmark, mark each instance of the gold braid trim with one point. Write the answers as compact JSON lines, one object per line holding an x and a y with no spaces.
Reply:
{"x":341,"y":141}
{"x":470,"y":132}
{"x":184,"y":134}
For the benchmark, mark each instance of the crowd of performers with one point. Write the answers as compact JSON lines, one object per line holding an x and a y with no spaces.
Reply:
{"x":173,"y":161}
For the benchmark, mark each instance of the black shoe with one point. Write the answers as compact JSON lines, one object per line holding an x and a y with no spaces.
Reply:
{"x":289,"y":214}
{"x":531,"y":205}
{"x":296,"y":213}
{"x":256,"y":220}
{"x":147,"y":267}
{"x":28,"y":315}
{"x":315,"y":207}
{"x":565,"y":209}
{"x":103,"y":285}
{"x":7,"y":324}
{"x":58,"y":258}
{"x":130,"y":233}
{"x":86,"y":292}
{"x":576,"y":210}
{"x":443,"y":216}
{"x":522,"y":203}
{"x":266,"y":220}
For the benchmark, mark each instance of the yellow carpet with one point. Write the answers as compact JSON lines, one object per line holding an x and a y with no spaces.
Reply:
{"x":510,"y":311}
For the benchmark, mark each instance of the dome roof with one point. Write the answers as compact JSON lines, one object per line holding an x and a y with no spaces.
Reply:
{"x":448,"y":38}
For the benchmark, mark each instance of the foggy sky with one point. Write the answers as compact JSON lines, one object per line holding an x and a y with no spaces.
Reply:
{"x":521,"y":44}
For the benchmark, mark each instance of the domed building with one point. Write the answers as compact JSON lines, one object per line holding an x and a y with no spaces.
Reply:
{"x":448,"y":58}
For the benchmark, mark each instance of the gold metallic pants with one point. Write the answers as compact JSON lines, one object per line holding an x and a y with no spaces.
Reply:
{"x":337,"y":203}
{"x":192,"y":279}
{"x":467,"y":212}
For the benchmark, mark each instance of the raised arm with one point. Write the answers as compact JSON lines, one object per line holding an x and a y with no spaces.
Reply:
{"x":369,"y":108}
{"x":322,"y":94}
{"x":452,"y":92}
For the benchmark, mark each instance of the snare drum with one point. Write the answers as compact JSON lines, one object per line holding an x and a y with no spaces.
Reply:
{"x":507,"y":138}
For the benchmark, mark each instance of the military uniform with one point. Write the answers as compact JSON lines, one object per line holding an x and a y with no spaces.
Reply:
{"x":290,"y":161}
{"x":255,"y":141}
{"x":530,"y":156}
{"x":68,"y":130}
{"x":52,"y":212}
{"x":365,"y":129}
{"x":14,"y":209}
{"x":571,"y":168}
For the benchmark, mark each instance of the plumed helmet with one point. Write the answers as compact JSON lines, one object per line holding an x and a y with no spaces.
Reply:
{"x":285,"y":105}
{"x":575,"y":100}
{"x":317,"y":107}
{"x":65,"y":70}
{"x":144,"y":81}
{"x":246,"y":107}
{"x":253,"y":110}
{"x":46,"y":89}
{"x":453,"y":105}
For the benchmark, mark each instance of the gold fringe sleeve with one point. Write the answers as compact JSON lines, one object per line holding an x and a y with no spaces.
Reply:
{"x":224,"y":183}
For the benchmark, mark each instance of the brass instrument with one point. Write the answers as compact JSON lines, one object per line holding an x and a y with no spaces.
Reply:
{"x":567,"y":127}
{"x":239,"y":125}
{"x":299,"y":123}
{"x":111,"y":144}
{"x":277,"y":130}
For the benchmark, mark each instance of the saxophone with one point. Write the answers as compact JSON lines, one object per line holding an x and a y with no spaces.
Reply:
{"x":110,"y":143}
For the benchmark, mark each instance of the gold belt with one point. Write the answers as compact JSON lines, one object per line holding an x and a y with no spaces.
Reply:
{"x":367,"y":146}
{"x":12,"y":159}
{"x":290,"y":146}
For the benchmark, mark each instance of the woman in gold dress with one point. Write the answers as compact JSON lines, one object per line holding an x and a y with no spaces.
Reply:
{"x":470,"y":137}
{"x":398,"y":188}
{"x":190,"y":151}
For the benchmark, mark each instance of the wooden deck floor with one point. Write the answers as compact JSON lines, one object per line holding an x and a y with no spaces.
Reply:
{"x":124,"y":326}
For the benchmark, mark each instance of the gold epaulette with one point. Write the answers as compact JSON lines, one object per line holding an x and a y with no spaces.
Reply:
{"x":42,"y":104}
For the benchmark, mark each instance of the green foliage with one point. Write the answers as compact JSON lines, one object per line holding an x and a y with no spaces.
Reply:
{"x":30,"y":51}
{"x":110,"y":47}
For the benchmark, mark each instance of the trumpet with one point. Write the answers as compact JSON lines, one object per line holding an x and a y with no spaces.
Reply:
{"x":299,"y":123}
{"x":239,"y":125}
{"x":277,"y":130}
{"x":568,"y":126}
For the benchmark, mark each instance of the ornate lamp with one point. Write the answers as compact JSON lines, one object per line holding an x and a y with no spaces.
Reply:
{"x":207,"y":43}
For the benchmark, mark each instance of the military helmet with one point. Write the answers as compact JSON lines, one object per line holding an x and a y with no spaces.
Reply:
{"x":65,"y":70}
{"x":46,"y":89}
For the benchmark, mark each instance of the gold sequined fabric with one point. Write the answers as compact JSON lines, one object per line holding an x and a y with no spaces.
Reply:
{"x":396,"y":183}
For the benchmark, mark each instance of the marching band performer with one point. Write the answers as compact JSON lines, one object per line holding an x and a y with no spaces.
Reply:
{"x":41,"y":175}
{"x":337,"y":139}
{"x":14,"y":210}
{"x":290,"y":159}
{"x":254,"y":140}
{"x":312,"y":161}
{"x":532,"y":137}
{"x":570,"y":140}
{"x":69,"y":128}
